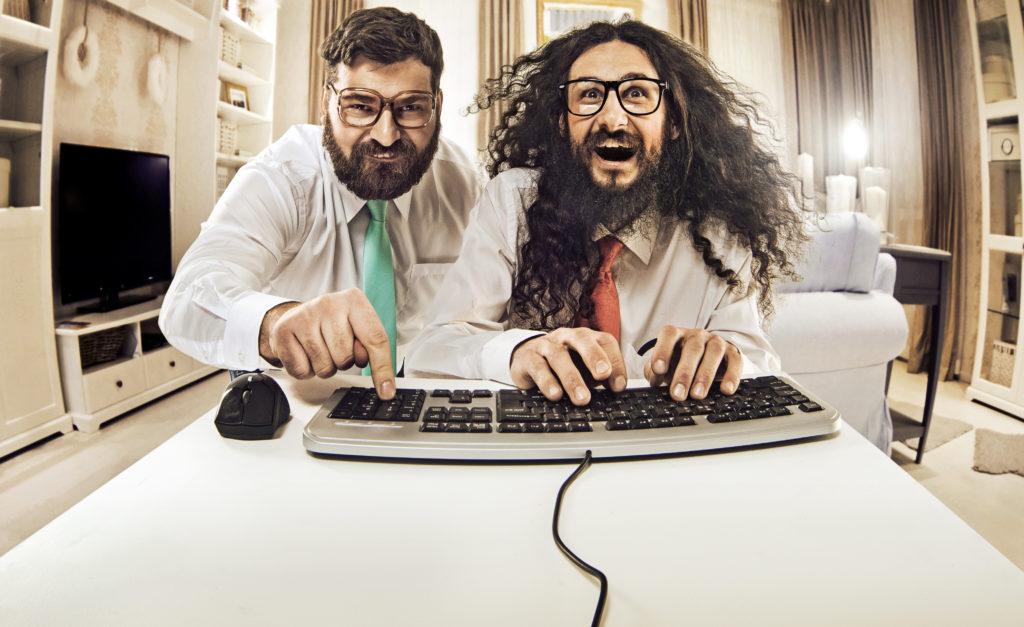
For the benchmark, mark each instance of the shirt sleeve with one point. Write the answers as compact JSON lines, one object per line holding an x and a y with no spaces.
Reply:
{"x":214,"y":307}
{"x":737,"y":321}
{"x":467,"y":334}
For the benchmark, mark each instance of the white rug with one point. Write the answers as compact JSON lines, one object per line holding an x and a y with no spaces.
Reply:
{"x":998,"y":453}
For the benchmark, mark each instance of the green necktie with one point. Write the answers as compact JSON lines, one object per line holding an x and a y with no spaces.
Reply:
{"x":379,"y":273}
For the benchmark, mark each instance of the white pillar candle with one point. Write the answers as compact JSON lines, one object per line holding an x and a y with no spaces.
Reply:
{"x":841,"y":191}
{"x":874,"y":177}
{"x":805,"y":170}
{"x":876,"y":206}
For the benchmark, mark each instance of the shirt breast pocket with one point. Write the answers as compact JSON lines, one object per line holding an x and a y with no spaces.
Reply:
{"x":424,"y":282}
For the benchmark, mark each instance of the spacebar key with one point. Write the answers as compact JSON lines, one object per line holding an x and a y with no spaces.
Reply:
{"x":517,"y":415}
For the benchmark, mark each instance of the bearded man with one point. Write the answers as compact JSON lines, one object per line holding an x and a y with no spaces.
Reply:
{"x":633,"y":219}
{"x":325,"y":250}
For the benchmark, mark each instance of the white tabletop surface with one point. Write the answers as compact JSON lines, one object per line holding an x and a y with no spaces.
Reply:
{"x":210,"y":531}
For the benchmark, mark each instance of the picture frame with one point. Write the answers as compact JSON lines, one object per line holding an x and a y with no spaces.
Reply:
{"x":554,"y":17}
{"x":237,"y":95}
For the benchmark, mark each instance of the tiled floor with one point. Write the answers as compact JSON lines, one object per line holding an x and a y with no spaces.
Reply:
{"x":41,"y":482}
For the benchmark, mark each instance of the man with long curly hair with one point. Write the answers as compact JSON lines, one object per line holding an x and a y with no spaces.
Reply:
{"x":621,"y":151}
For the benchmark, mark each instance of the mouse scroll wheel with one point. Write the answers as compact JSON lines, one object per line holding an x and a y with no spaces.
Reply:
{"x":246,"y":395}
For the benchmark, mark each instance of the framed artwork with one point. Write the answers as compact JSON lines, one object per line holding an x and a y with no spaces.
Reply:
{"x":237,"y":95}
{"x":556,"y":17}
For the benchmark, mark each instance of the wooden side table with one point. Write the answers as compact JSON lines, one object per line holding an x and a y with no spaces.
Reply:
{"x":922,"y":278}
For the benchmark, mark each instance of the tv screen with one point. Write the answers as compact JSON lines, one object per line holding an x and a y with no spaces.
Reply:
{"x":113,"y":223}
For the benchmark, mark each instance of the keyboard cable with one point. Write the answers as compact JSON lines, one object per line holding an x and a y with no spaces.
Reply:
{"x":599,"y":611}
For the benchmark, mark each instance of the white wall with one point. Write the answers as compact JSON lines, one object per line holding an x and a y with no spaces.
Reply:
{"x":456,"y":24}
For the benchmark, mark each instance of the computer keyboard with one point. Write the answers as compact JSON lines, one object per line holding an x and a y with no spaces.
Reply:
{"x":510,"y":425}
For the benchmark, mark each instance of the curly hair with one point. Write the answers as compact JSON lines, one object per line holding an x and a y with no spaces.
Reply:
{"x":726,"y":178}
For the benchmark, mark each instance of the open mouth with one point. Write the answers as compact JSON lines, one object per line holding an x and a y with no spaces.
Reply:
{"x":615,"y":153}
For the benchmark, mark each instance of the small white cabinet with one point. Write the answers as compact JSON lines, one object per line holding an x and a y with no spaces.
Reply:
{"x":112,"y":362}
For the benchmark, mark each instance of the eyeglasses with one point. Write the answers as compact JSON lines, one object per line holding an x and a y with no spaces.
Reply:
{"x":586,"y":96}
{"x":362,"y":107}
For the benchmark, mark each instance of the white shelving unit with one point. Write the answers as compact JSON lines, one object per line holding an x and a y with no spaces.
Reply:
{"x":998,"y":43}
{"x":112,"y":362}
{"x":185,"y":18}
{"x":246,"y":61}
{"x":31,"y":405}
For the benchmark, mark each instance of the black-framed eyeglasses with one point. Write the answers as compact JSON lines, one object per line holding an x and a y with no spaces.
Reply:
{"x":638,"y":96}
{"x":358,"y":106}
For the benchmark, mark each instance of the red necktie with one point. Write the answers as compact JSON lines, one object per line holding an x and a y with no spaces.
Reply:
{"x":602,"y":291}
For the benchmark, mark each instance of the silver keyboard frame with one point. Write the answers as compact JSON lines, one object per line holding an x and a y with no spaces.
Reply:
{"x":403,"y":440}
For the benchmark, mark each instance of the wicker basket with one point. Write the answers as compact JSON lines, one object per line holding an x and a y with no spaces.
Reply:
{"x":102,"y":346}
{"x":1002,"y":363}
{"x":230,"y":47}
{"x":227,"y":137}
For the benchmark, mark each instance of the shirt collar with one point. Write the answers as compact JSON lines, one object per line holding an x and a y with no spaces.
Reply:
{"x":640,"y":242}
{"x":354,"y":204}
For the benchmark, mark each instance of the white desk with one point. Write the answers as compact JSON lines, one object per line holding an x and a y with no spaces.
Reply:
{"x":208,"y":531}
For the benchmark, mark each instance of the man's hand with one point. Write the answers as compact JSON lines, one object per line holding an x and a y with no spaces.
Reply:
{"x":328,"y":334}
{"x":689,"y":359}
{"x":546,"y":361}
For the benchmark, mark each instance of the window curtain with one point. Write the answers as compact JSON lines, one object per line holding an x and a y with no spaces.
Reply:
{"x":947,"y":100}
{"x":327,"y":15}
{"x":831,"y":63}
{"x":501,"y":41}
{"x":690,"y":19}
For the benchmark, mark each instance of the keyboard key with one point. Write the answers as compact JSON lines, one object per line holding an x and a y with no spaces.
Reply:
{"x":461,"y":396}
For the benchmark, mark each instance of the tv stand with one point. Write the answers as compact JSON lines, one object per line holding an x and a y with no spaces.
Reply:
{"x":114,"y":303}
{"x":112,"y":362}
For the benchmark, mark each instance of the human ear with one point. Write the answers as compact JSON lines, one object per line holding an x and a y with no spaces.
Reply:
{"x":325,"y":100}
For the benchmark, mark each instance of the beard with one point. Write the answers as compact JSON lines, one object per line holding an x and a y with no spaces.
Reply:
{"x":586,"y":203}
{"x":371,"y":180}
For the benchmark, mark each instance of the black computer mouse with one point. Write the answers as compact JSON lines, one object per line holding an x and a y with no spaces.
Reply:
{"x":253,"y":408}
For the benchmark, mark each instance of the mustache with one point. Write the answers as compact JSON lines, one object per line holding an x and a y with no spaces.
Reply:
{"x":370,"y":147}
{"x":621,"y":137}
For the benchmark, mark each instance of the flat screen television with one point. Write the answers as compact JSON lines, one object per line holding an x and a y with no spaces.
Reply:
{"x":112,"y":224}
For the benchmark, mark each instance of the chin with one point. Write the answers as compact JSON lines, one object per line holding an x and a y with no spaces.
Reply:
{"x":614,"y":180}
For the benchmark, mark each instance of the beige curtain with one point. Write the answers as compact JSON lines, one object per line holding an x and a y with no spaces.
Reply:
{"x":831,"y":74}
{"x":690,"y":19}
{"x":947,"y":100}
{"x":501,"y":41}
{"x":327,"y":16}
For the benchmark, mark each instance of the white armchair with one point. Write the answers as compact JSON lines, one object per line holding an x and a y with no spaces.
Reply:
{"x":837,"y":330}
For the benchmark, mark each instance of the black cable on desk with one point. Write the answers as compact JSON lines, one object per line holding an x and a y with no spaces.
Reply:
{"x":599,"y":611}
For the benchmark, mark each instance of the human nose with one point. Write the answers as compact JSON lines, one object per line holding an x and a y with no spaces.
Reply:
{"x":384,"y":130}
{"x":612,"y":115}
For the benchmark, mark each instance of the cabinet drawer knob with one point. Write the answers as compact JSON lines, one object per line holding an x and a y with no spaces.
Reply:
{"x":172,"y":363}
{"x":120,"y":383}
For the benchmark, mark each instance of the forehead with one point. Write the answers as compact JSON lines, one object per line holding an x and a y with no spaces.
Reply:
{"x":611,"y":61}
{"x":386,"y":79}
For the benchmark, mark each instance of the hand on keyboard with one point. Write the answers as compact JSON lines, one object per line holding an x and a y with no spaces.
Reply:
{"x":546,"y":362}
{"x":689,"y":360}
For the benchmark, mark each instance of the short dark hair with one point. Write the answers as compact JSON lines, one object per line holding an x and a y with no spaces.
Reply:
{"x":385,"y":35}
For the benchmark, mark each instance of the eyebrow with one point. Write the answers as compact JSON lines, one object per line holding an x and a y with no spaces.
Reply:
{"x":624,"y":77}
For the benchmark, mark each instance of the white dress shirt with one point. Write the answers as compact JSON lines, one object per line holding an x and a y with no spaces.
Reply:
{"x":287,"y":230}
{"x":661,"y":280}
